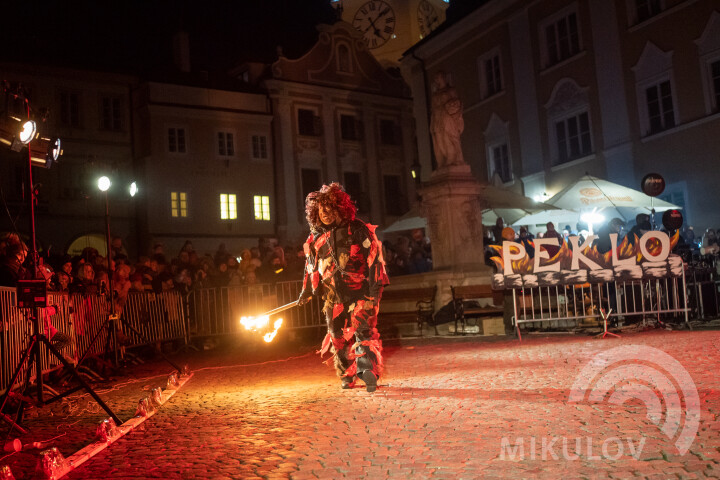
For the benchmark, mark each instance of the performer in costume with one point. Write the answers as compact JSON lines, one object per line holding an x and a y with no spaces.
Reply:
{"x":344,"y":262}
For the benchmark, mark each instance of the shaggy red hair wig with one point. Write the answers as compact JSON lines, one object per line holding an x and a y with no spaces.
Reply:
{"x":333,"y":196}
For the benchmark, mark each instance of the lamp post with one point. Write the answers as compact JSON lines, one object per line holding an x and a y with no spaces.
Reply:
{"x":104,"y":184}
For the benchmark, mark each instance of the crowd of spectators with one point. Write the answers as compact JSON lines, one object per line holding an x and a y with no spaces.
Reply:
{"x":156,"y":272}
{"x":408,"y":254}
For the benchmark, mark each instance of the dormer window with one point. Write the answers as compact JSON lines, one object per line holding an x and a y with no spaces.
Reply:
{"x":344,"y":64}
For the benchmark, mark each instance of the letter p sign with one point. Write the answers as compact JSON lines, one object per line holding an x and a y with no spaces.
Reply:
{"x":512,"y":251}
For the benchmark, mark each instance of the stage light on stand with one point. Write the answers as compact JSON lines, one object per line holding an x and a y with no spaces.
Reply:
{"x":15,"y":133}
{"x":28,"y":132}
{"x":133,"y":189}
{"x":104,"y":183}
{"x":45,"y":151}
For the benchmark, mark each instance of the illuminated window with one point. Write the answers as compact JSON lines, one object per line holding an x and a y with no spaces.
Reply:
{"x":228,"y":206}
{"x":226,"y":145}
{"x":178,"y":204}
{"x":262,"y":207}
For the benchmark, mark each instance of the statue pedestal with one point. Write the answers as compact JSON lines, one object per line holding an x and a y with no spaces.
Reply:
{"x":451,"y":204}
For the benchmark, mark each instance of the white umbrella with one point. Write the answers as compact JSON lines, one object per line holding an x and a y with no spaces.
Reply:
{"x":607,"y":199}
{"x":559,"y":217}
{"x":410,"y":221}
{"x":495,"y":201}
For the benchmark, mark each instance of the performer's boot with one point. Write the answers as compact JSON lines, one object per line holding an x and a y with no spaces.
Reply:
{"x":342,"y":363}
{"x":367,"y":365}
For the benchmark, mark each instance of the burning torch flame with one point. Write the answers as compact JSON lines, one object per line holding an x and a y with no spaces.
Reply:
{"x":255,"y":324}
{"x":268,"y":337}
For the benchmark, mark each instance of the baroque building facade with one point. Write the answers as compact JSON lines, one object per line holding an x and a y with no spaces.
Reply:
{"x":339,"y":116}
{"x":217,"y":160}
{"x":554,"y":89}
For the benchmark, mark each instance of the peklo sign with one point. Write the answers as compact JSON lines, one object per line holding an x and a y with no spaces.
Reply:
{"x":578,"y":263}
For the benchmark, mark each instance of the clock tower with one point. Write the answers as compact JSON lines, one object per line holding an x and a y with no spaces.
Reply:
{"x":390,"y":27}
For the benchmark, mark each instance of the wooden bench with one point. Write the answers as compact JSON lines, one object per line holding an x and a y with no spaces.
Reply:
{"x":406,"y":305}
{"x":475,"y":292}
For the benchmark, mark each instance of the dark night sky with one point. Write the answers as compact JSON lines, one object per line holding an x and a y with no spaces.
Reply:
{"x":135,"y":35}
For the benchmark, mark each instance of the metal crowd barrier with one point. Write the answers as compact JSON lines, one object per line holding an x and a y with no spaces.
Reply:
{"x":157,"y":317}
{"x":217,"y":311}
{"x":565,"y":305}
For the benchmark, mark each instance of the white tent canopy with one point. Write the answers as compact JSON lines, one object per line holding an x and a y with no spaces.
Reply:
{"x":495,"y":202}
{"x":607,"y":199}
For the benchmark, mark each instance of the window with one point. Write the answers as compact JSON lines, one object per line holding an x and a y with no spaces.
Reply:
{"x":70,"y":109}
{"x":262,"y":207}
{"x":389,"y":132}
{"x":343,"y":59}
{"x":310,"y":181}
{"x":490,"y":74}
{"x":111,"y":113}
{"x":569,"y":122}
{"x":715,"y":81}
{"x":353,"y":186}
{"x":394,"y":199}
{"x":350,"y":128}
{"x":176,"y":140}
{"x":259,"y":146}
{"x":308,"y":123}
{"x":573,"y":138}
{"x":645,"y":9}
{"x":226,"y":145}
{"x":562,"y":39}
{"x":228,"y":206}
{"x":500,"y":162}
{"x":178,"y":204}
{"x":660,"y":111}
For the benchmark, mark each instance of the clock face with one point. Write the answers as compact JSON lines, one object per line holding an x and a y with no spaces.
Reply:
{"x":428,"y":17}
{"x":376,"y":21}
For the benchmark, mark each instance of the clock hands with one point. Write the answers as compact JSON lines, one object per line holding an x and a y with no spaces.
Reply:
{"x":372,"y":22}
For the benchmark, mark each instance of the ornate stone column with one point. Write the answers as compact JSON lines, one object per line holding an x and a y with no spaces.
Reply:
{"x":451,"y":203}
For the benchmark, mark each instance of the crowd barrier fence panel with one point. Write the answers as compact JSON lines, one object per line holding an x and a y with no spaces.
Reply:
{"x":565,"y":305}
{"x":158,"y":317}
{"x":217,"y":311}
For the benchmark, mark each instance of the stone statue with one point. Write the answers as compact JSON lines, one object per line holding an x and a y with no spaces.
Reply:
{"x":446,"y":122}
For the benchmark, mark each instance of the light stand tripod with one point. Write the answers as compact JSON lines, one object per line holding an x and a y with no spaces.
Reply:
{"x":32,"y":354}
{"x":109,"y":324}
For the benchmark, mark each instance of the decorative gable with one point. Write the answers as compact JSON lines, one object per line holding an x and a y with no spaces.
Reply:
{"x":340,"y":59}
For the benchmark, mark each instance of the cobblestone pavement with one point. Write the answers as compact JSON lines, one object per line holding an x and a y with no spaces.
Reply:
{"x":447,"y":408}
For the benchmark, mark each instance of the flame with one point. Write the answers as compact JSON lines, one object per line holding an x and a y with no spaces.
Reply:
{"x":627,"y":249}
{"x":563,"y":255}
{"x":268,"y":337}
{"x":522,"y":266}
{"x":261,"y":323}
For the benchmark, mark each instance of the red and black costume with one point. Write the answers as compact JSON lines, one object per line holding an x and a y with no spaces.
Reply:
{"x":344,"y":261}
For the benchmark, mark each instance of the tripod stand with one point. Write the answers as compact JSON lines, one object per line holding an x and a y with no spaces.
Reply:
{"x":33,"y":355}
{"x":109,"y":324}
